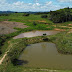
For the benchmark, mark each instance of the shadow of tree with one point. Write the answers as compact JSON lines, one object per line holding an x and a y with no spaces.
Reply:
{"x":45,"y":39}
{"x":19,"y":62}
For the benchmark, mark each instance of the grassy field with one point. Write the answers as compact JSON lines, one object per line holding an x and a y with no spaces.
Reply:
{"x":41,"y":23}
{"x":63,"y":40}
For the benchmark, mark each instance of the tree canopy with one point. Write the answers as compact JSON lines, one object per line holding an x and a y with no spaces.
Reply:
{"x":62,"y":15}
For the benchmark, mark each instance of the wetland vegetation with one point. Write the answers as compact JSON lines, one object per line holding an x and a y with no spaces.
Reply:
{"x":34,"y":22}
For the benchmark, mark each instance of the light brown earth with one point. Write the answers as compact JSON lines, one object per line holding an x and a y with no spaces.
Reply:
{"x":7,"y":27}
{"x":43,"y":21}
{"x":54,"y":25}
{"x":1,"y":61}
{"x":70,"y":24}
{"x":59,"y":29}
{"x":70,"y":31}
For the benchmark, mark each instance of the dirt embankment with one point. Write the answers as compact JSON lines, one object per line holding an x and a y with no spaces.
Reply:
{"x":7,"y":27}
{"x":3,"y":57}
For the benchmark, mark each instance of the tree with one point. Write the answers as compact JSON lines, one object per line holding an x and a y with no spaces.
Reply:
{"x":62,"y":15}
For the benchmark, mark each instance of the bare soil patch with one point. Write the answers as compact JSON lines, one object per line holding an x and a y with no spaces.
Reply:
{"x":7,"y":27}
{"x":54,"y":25}
{"x":70,"y":31}
{"x":70,"y":24}
{"x":37,"y":21}
{"x":59,"y":29}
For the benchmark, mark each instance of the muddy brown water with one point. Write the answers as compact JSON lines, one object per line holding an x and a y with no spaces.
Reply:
{"x":45,"y":55}
{"x":35,"y":33}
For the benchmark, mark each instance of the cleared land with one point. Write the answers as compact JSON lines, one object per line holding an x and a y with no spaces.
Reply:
{"x":7,"y":27}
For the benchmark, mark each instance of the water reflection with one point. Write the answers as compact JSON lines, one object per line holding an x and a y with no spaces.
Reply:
{"x":19,"y":62}
{"x":36,"y":33}
{"x":45,"y":55}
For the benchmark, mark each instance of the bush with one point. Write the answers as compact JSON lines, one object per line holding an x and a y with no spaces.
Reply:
{"x":2,"y":40}
{"x":34,"y":24}
{"x":26,"y":14}
{"x":38,"y":13}
{"x":44,"y":34}
{"x":61,"y":16}
{"x":4,"y":14}
{"x":16,"y":12}
{"x":44,"y":16}
{"x":45,"y":39}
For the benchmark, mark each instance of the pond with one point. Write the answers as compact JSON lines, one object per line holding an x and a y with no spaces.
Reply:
{"x":35,"y":33}
{"x":45,"y":55}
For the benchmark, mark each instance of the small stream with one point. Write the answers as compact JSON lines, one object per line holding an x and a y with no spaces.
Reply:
{"x":45,"y":55}
{"x":35,"y":33}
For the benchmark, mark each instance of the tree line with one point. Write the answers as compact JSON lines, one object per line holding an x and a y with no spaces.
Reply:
{"x":62,"y":15}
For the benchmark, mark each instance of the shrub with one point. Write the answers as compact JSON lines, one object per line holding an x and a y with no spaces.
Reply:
{"x":62,"y":15}
{"x":46,"y":39}
{"x":34,"y":24}
{"x":4,"y":14}
{"x":44,"y":16}
{"x":44,"y":34}
{"x":16,"y":12}
{"x":26,"y":14}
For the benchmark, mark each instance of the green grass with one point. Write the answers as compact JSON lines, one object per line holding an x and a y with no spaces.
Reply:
{"x":28,"y":20}
{"x":20,"y":18}
{"x":62,"y":40}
